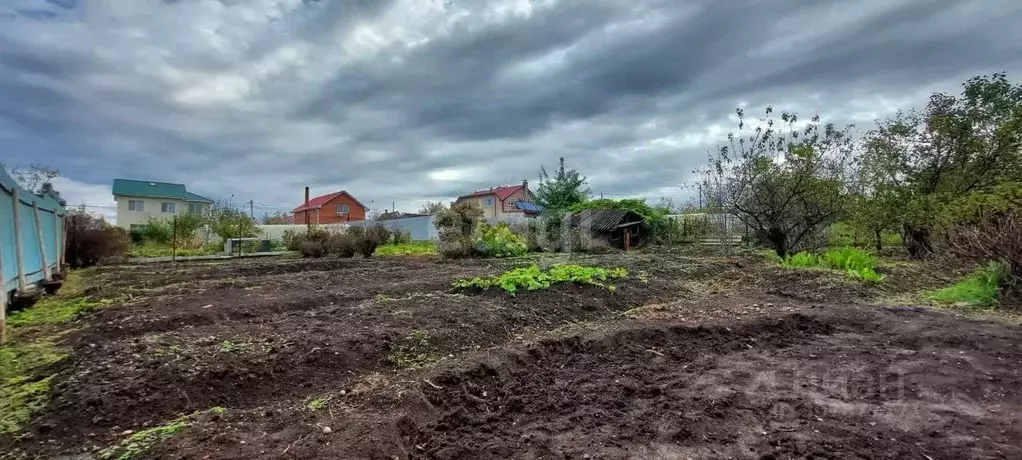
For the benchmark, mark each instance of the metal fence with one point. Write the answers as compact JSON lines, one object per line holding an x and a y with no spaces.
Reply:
{"x":31,"y":240}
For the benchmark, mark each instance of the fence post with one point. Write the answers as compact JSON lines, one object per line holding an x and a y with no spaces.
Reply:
{"x":19,"y":253}
{"x":3,"y":298}
{"x":47,"y":275}
{"x":58,"y":237}
{"x":173,"y":240}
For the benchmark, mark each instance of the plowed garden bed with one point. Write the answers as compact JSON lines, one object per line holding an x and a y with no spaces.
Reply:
{"x":380,"y":358}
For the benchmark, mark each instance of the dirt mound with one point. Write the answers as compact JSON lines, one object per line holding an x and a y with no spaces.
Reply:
{"x":795,"y":387}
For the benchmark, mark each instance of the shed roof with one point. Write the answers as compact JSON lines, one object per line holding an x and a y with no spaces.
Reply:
{"x":604,"y":219}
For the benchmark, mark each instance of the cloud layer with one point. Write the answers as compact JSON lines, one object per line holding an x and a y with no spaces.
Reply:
{"x":412,"y":100}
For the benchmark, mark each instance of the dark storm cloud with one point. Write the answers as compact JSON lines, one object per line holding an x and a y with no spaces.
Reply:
{"x":409,"y":100}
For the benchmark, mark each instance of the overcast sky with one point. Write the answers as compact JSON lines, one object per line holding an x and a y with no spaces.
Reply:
{"x":413,"y":100}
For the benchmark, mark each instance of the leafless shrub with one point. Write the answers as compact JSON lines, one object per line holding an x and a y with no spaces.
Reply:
{"x":92,"y":241}
{"x":995,"y":239}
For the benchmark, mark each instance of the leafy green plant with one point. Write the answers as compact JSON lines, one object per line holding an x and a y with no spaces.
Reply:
{"x":417,"y":248}
{"x":499,"y":241}
{"x":979,"y":289}
{"x":856,"y":263}
{"x":532,"y":278}
{"x":319,"y":403}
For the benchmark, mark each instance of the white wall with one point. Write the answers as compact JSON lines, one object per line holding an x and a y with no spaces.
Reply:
{"x":422,"y":228}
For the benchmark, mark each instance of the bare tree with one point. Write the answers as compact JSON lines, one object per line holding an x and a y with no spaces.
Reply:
{"x":784,"y":182}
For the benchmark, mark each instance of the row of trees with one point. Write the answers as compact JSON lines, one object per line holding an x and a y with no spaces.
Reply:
{"x":790,"y":179}
{"x":221,"y":220}
{"x":947,"y":176}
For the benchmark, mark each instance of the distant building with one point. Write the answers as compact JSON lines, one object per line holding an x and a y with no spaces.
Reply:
{"x":508,"y":200}
{"x":139,"y":200}
{"x":333,"y":208}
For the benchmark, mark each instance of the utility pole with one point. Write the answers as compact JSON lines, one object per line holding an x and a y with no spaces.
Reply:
{"x":251,"y":209}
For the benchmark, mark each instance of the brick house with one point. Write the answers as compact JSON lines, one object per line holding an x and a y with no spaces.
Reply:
{"x":333,"y":208}
{"x":507,"y":200}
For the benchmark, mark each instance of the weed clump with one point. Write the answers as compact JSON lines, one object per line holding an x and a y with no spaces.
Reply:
{"x":978,"y":290}
{"x":499,"y":241}
{"x":856,"y":263}
{"x":532,"y":278}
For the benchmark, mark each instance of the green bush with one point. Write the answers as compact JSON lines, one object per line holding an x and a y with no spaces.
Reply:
{"x":400,"y":236}
{"x":499,"y":241}
{"x":532,"y":278}
{"x":291,"y":240}
{"x":365,"y":239}
{"x":341,"y":244}
{"x":856,"y":263}
{"x":456,"y":226}
{"x":979,"y":289}
{"x":157,"y":231}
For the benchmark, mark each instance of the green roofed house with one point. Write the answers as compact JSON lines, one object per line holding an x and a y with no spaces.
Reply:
{"x":138,"y":200}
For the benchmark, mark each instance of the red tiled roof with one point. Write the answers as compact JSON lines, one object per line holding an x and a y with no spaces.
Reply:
{"x":319,"y":201}
{"x":501,"y":192}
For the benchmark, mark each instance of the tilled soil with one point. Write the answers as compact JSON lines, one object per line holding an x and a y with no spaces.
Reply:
{"x":695,"y":358}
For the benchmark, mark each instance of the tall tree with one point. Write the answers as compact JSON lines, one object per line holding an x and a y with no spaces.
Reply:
{"x":37,"y":179}
{"x":956,"y":146}
{"x":784,"y":182}
{"x":432,"y":207}
{"x":566,"y":189}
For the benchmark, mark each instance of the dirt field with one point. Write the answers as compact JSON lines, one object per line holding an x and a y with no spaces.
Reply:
{"x":689,"y":357}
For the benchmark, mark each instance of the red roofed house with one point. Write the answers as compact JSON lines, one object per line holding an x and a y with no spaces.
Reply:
{"x":335,"y":208}
{"x":503,"y":201}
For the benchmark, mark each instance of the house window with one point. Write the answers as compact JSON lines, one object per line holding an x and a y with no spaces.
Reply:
{"x":168,"y":207}
{"x":195,"y":208}
{"x":342,"y":210}
{"x":136,"y":205}
{"x":489,"y":202}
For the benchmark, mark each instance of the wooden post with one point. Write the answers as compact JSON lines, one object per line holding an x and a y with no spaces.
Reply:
{"x":19,"y":253}
{"x":47,"y":275}
{"x":173,"y":241}
{"x":58,"y":236}
{"x":3,"y":297}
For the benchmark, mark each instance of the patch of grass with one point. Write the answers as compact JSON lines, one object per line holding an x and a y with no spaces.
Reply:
{"x":856,"y":263}
{"x":151,"y":249}
{"x":532,"y":278}
{"x":415,"y":351}
{"x":414,"y":248}
{"x":19,"y":400}
{"x":318,"y":403}
{"x":137,"y":444}
{"x":978,"y":290}
{"x":54,"y":310}
{"x":25,"y":359}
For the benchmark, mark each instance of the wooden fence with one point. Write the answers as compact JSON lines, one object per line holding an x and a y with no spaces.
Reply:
{"x":31,"y":242}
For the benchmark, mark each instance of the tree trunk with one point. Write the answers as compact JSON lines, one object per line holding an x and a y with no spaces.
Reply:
{"x":879,"y":240}
{"x":917,"y":242}
{"x":779,"y":240}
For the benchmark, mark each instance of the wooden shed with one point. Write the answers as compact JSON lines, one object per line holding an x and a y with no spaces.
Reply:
{"x":621,"y":228}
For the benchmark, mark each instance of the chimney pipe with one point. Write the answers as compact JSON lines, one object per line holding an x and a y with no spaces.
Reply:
{"x":308,"y":223}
